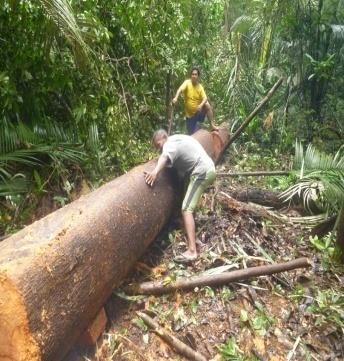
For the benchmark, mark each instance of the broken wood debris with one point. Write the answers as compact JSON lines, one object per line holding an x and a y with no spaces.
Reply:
{"x":179,"y":346}
{"x":161,"y":287}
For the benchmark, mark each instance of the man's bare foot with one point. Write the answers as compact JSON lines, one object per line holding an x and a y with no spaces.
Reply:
{"x":186,"y":257}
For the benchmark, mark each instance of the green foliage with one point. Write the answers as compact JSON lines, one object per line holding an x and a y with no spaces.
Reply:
{"x":321,"y":178}
{"x":83,"y":84}
{"x":324,"y":244}
{"x":260,"y":323}
{"x":328,"y":307}
{"x":231,"y":352}
{"x":24,"y":150}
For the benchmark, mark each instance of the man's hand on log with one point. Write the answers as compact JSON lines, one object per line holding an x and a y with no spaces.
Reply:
{"x":150,"y":177}
{"x":214,"y":128}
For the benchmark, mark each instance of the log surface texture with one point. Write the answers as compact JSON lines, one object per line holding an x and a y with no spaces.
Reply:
{"x":56,"y":274}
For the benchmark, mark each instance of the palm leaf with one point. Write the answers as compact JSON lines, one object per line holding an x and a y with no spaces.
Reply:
{"x":62,"y":14}
{"x":14,"y":185}
{"x":321,"y":179}
{"x":23,"y":148}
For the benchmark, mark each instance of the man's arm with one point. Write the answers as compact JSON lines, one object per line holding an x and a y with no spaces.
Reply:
{"x":180,"y":89}
{"x":205,"y":99}
{"x":151,"y":177}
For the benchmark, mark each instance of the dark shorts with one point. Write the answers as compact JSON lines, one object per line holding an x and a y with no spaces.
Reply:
{"x":192,"y":124}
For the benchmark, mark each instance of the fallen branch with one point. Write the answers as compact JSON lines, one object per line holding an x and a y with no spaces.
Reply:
{"x":232,"y":204}
{"x":138,"y":351}
{"x":172,"y":341}
{"x":170,"y":120}
{"x":252,"y":115}
{"x":254,"y":174}
{"x":158,"y":287}
{"x":260,"y":196}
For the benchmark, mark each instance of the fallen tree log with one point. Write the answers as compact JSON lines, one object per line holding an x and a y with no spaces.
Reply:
{"x":233,"y":204}
{"x":160,"y":287}
{"x":180,"y":347}
{"x":260,"y":196}
{"x":56,"y":274}
{"x":254,"y":174}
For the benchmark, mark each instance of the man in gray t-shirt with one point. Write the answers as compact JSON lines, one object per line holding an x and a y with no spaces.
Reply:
{"x":188,"y":157}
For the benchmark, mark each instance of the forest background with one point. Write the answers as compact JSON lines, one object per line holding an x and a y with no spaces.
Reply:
{"x":84,"y":83}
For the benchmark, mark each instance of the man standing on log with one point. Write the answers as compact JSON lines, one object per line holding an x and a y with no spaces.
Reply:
{"x":188,"y":157}
{"x":196,"y":103}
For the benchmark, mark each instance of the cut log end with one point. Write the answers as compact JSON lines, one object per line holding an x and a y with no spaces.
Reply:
{"x":16,"y":342}
{"x":94,"y":330}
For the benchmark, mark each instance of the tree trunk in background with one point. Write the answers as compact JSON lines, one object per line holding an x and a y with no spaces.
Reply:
{"x":340,"y":231}
{"x":168,"y":95}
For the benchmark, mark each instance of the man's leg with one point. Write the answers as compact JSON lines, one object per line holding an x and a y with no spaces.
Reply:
{"x":190,"y":229}
{"x":192,"y":125}
{"x":210,"y":115}
{"x":196,"y":187}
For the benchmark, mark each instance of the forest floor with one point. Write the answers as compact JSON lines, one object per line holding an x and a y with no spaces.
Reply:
{"x":296,"y":315}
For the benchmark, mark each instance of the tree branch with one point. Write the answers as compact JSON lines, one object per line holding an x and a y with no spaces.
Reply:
{"x":174,"y":342}
{"x":253,"y":114}
{"x":254,"y":174}
{"x":159,"y":287}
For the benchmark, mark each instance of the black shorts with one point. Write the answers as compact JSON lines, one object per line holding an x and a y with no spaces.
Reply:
{"x":192,"y":124}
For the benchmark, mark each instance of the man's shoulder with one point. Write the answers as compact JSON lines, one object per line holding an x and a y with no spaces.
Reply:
{"x":187,"y":82}
{"x":178,"y":137}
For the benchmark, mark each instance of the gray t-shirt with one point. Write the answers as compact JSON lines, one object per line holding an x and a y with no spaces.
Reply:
{"x":186,"y":155}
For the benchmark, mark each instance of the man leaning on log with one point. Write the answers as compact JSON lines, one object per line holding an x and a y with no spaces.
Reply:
{"x":188,"y":157}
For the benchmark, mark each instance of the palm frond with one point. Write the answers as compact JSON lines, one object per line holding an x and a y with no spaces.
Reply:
{"x":14,"y":185}
{"x":242,"y":24}
{"x":62,"y":14}
{"x":313,"y":159}
{"x":23,"y":148}
{"x":93,"y":137}
{"x":321,"y":179}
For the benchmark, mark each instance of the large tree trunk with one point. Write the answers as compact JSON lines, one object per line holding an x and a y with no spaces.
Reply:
{"x":260,"y":196}
{"x":57,"y":273}
{"x":340,"y":232}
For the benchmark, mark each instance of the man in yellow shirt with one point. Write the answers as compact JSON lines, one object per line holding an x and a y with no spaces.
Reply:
{"x":196,"y":103}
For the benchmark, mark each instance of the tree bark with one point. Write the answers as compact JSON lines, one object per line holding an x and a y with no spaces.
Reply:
{"x":57,"y":273}
{"x":233,"y":204}
{"x":158,"y":287}
{"x":324,"y":227}
{"x":260,"y":196}
{"x":340,"y":232}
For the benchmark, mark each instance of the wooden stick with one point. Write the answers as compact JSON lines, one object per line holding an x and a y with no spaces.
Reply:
{"x":158,"y":287}
{"x":252,"y":115}
{"x":254,"y":174}
{"x":170,"y":120}
{"x":174,"y":342}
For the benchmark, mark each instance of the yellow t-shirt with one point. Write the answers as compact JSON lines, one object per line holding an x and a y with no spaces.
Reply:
{"x":193,"y":96}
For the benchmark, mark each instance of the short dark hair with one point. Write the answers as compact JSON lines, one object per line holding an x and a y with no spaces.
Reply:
{"x":195,"y":69}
